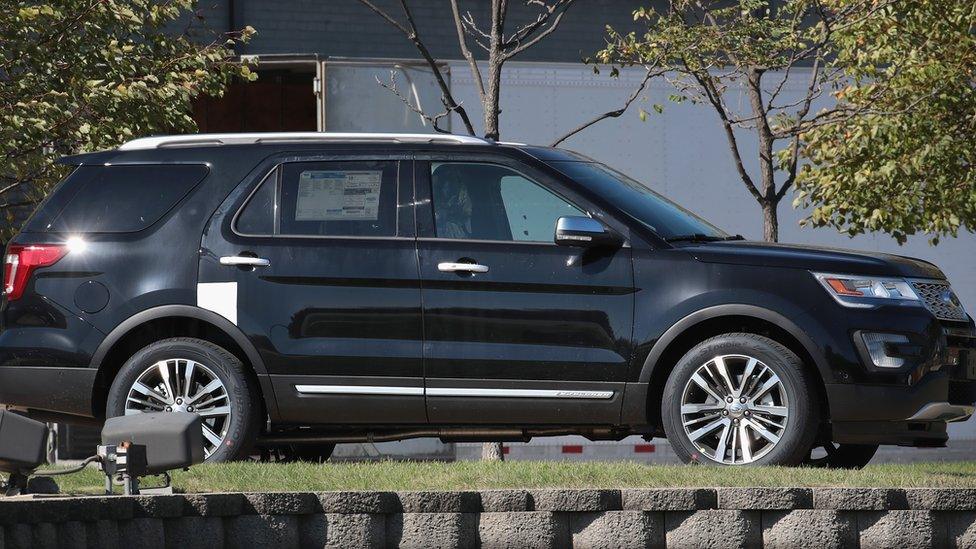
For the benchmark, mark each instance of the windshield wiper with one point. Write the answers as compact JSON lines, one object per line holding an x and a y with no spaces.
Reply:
{"x":700,"y":237}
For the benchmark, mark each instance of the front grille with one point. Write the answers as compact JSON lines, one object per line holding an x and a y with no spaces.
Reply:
{"x":940,"y":300}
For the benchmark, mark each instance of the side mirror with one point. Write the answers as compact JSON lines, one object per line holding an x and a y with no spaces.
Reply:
{"x":585,"y":232}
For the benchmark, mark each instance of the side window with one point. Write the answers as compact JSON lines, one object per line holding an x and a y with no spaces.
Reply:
{"x":119,"y":199}
{"x":490,"y":202}
{"x":342,"y":198}
{"x":258,"y":215}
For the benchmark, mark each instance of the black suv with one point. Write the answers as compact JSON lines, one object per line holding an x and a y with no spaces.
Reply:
{"x":299,"y":290}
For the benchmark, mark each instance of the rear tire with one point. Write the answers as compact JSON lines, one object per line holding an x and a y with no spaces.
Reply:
{"x":231,"y":406}
{"x":761,"y":411}
{"x":309,"y":453}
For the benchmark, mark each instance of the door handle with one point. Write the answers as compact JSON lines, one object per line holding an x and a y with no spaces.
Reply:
{"x":461,"y":268}
{"x":244,"y":261}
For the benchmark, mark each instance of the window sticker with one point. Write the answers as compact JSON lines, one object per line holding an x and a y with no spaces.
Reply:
{"x":327,"y":195}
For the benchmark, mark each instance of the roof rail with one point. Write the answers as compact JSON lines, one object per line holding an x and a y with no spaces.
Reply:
{"x":212,"y":139}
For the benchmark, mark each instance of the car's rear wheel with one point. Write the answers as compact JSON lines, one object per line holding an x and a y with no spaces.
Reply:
{"x":832,"y":455}
{"x":195,"y":376}
{"x":740,"y":399}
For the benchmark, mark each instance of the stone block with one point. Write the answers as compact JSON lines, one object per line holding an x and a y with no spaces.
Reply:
{"x":668,"y":499}
{"x":576,"y":500}
{"x":533,"y":529}
{"x":765,"y":498}
{"x":440,"y":502}
{"x":194,"y":532}
{"x":18,"y":536}
{"x":858,"y":499}
{"x":358,"y":502}
{"x":820,"y":528}
{"x":613,"y":529}
{"x":433,"y":530}
{"x":713,"y":528}
{"x":159,"y":507}
{"x":213,"y":505}
{"x":961,"y":529}
{"x":144,"y":533}
{"x":343,"y":530}
{"x":941,"y":499}
{"x":896,"y":529}
{"x":280,"y":531}
{"x":281,"y":503}
{"x":103,"y":533}
{"x":503,"y":501}
{"x":44,"y":535}
{"x":73,"y":535}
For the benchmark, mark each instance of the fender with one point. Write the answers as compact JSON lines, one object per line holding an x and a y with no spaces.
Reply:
{"x":731,"y":310}
{"x":190,"y":311}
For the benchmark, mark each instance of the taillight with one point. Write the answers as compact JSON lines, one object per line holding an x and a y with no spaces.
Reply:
{"x":21,"y":261}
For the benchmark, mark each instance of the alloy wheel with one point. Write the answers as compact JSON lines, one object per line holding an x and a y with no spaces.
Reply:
{"x":734,"y":409}
{"x":184,"y":385}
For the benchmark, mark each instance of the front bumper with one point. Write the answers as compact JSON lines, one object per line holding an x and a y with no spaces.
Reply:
{"x":912,"y":410}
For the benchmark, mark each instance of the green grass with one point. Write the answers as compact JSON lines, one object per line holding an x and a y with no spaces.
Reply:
{"x":392,"y":475}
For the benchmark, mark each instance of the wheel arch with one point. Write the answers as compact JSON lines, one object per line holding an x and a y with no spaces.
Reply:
{"x":164,"y":322}
{"x":712,"y":321}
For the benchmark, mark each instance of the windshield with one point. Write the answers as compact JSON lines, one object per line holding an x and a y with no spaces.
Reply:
{"x":667,"y":219}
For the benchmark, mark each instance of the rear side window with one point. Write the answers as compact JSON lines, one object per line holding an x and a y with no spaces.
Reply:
{"x":117,"y":199}
{"x":341,"y":198}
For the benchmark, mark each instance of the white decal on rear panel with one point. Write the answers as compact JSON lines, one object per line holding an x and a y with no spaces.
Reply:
{"x":219,"y":297}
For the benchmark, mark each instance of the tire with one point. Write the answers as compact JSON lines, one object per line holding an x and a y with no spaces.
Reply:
{"x":310,"y":453}
{"x":843,"y":456}
{"x":712,"y":425}
{"x":235,"y":431}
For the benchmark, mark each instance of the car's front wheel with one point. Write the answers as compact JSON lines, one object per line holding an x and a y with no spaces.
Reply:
{"x":195,"y":376}
{"x":740,"y":399}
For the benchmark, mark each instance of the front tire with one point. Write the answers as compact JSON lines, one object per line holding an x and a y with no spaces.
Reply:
{"x":740,"y":399}
{"x":196,"y":376}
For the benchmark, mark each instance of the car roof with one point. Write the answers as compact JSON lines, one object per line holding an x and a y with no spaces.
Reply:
{"x":177,"y":148}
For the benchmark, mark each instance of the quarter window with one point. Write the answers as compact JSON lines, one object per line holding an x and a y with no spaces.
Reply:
{"x":490,"y":202}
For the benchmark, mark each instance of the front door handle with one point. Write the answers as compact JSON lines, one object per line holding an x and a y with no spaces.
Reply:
{"x":244,"y":261}
{"x":461,"y":268}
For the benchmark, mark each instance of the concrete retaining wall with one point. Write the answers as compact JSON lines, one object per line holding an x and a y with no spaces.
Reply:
{"x":733,"y":517}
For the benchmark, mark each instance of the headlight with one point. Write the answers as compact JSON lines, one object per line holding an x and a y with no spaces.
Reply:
{"x":865,"y":291}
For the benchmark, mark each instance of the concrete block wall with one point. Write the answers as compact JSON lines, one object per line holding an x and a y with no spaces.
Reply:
{"x":673,"y":518}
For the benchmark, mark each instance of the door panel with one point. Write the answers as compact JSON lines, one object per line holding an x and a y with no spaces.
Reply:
{"x":338,"y":306}
{"x":543,"y":336}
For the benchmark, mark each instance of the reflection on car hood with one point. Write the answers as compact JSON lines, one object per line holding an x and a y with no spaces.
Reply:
{"x":814,"y":258}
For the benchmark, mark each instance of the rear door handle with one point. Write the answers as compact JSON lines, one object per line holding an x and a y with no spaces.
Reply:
{"x":244,"y":261}
{"x":461,"y":268}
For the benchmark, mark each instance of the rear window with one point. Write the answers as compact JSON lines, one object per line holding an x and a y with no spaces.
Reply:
{"x":115,"y":199}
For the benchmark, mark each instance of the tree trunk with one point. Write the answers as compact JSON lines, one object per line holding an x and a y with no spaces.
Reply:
{"x":492,"y":451}
{"x":770,"y":221}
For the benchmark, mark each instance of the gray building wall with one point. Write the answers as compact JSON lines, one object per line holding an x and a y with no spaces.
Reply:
{"x":346,"y":28}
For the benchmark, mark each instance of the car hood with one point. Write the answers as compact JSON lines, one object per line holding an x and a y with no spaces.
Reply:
{"x":814,"y":258}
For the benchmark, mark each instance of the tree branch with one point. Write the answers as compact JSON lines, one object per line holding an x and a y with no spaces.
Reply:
{"x":414,"y":37}
{"x":651,"y":73}
{"x":463,"y":42}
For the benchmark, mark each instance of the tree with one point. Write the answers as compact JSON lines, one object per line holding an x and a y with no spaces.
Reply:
{"x":82,"y":75}
{"x":500,"y":44}
{"x":715,"y":51}
{"x":906,"y":165}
